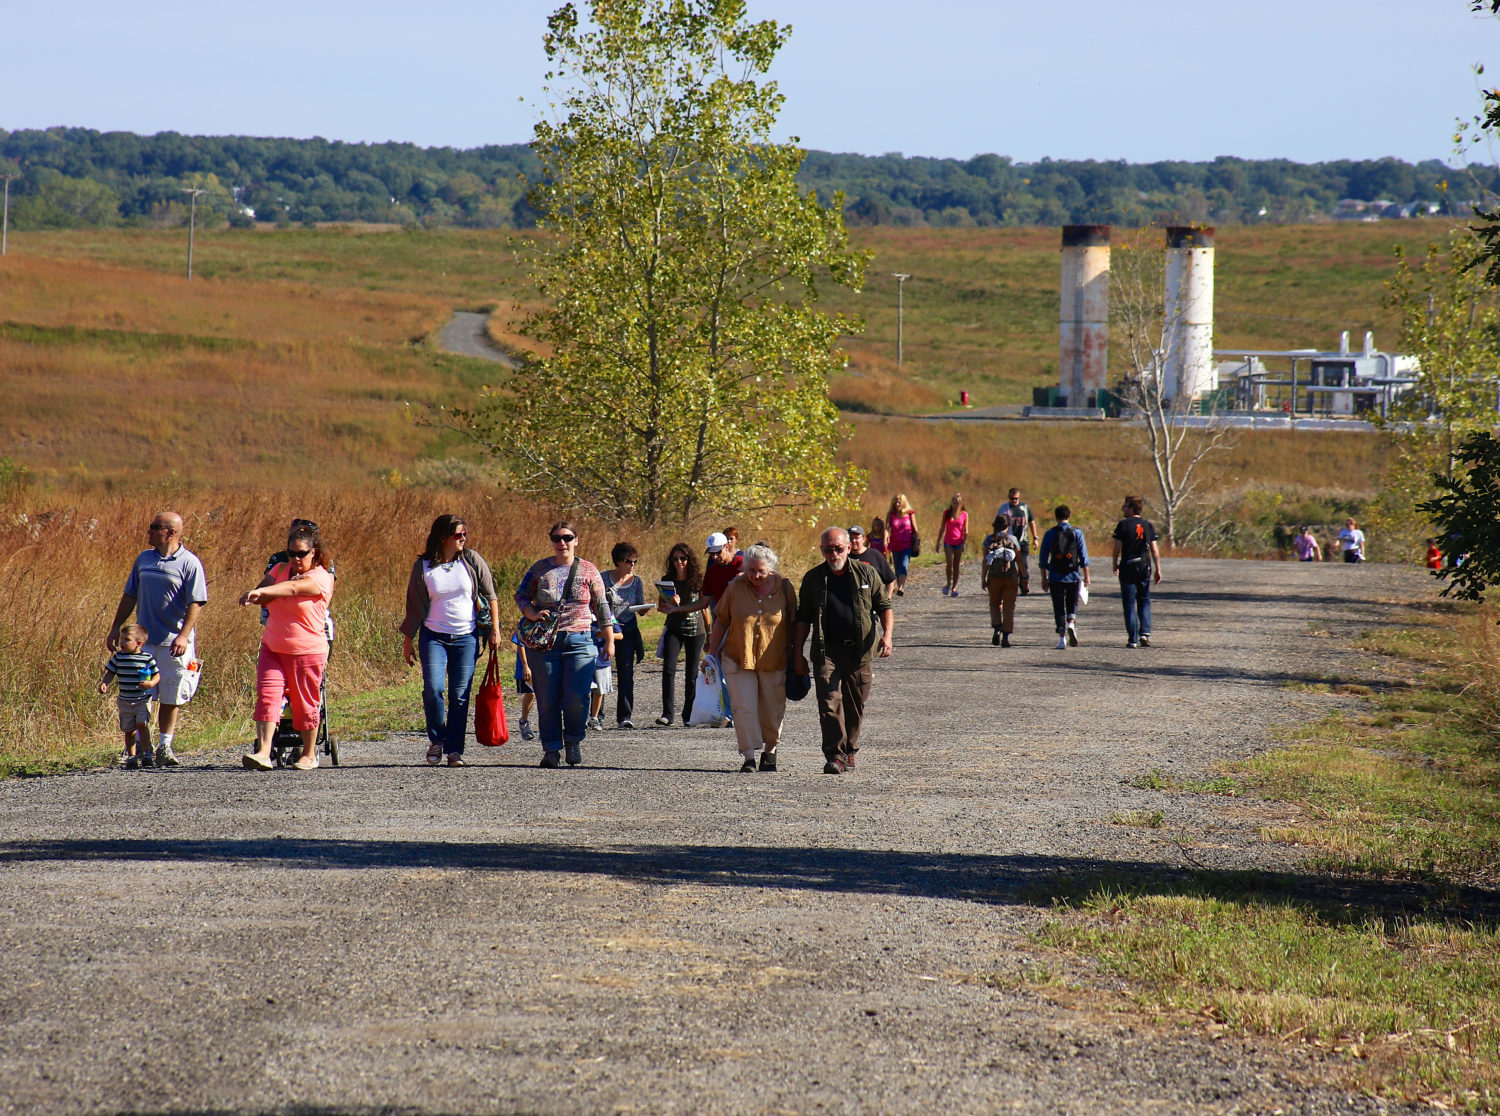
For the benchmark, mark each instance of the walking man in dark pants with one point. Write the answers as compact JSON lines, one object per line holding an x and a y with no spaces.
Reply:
{"x":839,"y":604}
{"x":1064,"y":562}
{"x":1138,"y":562}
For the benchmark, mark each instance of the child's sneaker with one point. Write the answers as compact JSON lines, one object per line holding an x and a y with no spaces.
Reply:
{"x":145,"y":757}
{"x":131,"y":763}
{"x":527,"y":732}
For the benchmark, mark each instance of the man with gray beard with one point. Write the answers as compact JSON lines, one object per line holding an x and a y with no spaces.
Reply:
{"x":839,"y":603}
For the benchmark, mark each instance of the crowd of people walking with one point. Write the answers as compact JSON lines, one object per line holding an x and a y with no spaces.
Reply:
{"x":738,"y":625}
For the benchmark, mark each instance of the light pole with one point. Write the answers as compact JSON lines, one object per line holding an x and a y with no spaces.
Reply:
{"x":901,"y":279}
{"x":5,"y":219}
{"x":194,"y":192}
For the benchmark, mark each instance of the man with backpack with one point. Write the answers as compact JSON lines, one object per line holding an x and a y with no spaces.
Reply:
{"x":1015,"y":516}
{"x":1138,"y":562}
{"x":1064,"y":562}
{"x":1001,"y":577}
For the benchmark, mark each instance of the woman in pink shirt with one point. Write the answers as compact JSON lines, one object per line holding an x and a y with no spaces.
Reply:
{"x":901,"y":537}
{"x":955,"y":535}
{"x":294,"y":648}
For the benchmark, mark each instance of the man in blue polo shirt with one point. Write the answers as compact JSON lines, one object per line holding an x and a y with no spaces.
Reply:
{"x":166,"y":590}
{"x":1064,"y":562}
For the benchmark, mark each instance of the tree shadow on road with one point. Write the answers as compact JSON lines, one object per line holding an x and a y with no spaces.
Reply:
{"x":994,"y":880}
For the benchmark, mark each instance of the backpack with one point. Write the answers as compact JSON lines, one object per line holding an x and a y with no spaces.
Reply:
{"x":1065,"y":551}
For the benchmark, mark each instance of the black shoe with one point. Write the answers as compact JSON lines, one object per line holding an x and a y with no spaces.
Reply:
{"x":833,"y":767}
{"x":575,"y":754}
{"x":749,"y":764}
{"x":1025,"y":590}
{"x":768,"y":761}
{"x":664,"y":721}
{"x":551,"y":759}
{"x":1004,"y":639}
{"x":995,"y":639}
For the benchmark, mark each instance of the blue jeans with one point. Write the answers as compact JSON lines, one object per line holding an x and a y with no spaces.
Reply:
{"x":901,"y":561}
{"x":447,"y":662}
{"x":561,"y":678}
{"x":1135,"y":595}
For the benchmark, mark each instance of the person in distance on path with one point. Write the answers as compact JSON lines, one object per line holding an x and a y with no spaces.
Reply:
{"x":1000,"y":576}
{"x":838,"y":604}
{"x":860,"y":551}
{"x":1138,"y":562}
{"x":1016,"y":517}
{"x":1064,"y":562}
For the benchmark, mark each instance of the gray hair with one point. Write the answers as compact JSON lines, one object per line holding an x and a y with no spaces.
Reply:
{"x":762,"y":552}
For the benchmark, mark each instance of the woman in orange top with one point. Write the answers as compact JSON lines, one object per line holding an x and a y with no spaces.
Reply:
{"x":294,"y":648}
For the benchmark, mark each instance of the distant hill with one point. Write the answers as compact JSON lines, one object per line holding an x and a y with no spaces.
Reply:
{"x":81,"y":177}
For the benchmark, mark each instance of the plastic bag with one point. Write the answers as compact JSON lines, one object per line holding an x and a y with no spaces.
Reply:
{"x":709,"y":706}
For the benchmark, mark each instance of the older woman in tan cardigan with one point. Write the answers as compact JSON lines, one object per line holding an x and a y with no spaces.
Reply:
{"x":752,"y":636}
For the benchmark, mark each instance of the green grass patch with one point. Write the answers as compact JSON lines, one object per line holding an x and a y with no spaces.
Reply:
{"x":1146,"y":819}
{"x":1382,"y":946}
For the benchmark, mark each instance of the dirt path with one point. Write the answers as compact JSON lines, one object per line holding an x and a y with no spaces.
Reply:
{"x":655,"y":931}
{"x":465,"y":335}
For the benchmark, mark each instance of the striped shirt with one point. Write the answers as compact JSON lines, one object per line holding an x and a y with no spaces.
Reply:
{"x":131,"y":668}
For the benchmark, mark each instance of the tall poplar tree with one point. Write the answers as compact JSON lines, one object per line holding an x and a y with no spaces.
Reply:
{"x":685,"y":363}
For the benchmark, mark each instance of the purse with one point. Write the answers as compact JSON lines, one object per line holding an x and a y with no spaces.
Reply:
{"x":797,"y":685}
{"x":916,"y":541}
{"x":541,"y":634}
{"x":489,"y":709}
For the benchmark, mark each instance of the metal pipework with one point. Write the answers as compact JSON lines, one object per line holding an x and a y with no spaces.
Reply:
{"x":1083,"y":319}
{"x":1188,"y":310}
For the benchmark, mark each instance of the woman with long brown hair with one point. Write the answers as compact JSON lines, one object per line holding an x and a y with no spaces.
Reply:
{"x":955,"y":532}
{"x":685,"y":629}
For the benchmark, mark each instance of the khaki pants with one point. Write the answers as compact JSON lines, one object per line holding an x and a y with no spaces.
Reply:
{"x":1003,"y":590}
{"x":842,"y":687}
{"x":757,"y":698}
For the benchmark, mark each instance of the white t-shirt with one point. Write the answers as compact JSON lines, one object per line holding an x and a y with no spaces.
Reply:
{"x":450,"y":597}
{"x":1352,"y":540}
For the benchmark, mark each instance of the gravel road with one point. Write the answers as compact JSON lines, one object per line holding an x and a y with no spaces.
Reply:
{"x":465,"y":335}
{"x":656,"y":932}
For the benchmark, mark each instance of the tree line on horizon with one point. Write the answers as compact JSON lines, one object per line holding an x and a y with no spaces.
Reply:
{"x":81,"y":177}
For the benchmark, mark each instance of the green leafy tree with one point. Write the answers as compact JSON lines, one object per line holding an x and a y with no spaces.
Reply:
{"x":1450,"y":321}
{"x":685,"y":362}
{"x":1466,"y":513}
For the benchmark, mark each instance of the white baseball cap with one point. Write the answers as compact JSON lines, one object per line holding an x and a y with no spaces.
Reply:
{"x":716,"y":542}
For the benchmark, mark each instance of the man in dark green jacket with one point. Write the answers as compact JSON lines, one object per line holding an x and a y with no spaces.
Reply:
{"x":838,"y":604}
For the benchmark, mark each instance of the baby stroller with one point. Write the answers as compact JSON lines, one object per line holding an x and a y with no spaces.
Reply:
{"x":286,"y":741}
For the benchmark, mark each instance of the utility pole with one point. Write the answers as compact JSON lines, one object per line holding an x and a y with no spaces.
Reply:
{"x":900,"y":286}
{"x":194,"y":192}
{"x":5,"y":220}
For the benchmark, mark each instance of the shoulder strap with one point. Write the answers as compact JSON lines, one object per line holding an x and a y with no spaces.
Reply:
{"x":567,"y":593}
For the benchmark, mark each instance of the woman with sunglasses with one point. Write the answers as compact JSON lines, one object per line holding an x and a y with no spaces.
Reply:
{"x":294,"y":646}
{"x":450,"y":608}
{"x":569,"y":587}
{"x":626,"y":600}
{"x":685,"y":629}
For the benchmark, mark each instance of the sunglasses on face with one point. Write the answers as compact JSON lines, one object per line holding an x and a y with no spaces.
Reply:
{"x":299,"y":553}
{"x":630,"y":561}
{"x":834,"y":549}
{"x":167,"y":527}
{"x":563,"y":538}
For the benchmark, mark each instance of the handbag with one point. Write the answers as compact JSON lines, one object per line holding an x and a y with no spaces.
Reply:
{"x":916,"y":541}
{"x":797,"y":685}
{"x":541,"y":634}
{"x":489,"y":710}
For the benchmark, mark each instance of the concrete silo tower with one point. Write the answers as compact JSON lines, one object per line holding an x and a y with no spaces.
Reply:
{"x":1188,"y":310}
{"x":1083,"y":321}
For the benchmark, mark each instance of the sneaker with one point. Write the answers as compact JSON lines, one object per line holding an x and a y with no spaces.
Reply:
{"x":527,"y":732}
{"x":146,"y":759}
{"x":749,"y":764}
{"x":593,"y":723}
{"x":1062,"y":643}
{"x":255,"y":763}
{"x":1004,"y":640}
{"x":1132,"y":645}
{"x":955,"y":592}
{"x":551,"y":759}
{"x":664,"y":721}
{"x":1145,"y":640}
{"x":768,"y":761}
{"x":131,"y":763}
{"x":900,"y":592}
{"x":1025,"y":590}
{"x":626,"y":724}
{"x":1072,"y":635}
{"x":847,"y":761}
{"x":575,"y":754}
{"x":995,"y":639}
{"x":434,"y":754}
{"x":456,"y":760}
{"x":306,"y":763}
{"x":945,"y":590}
{"x":833,"y":767}
{"x":165,"y":757}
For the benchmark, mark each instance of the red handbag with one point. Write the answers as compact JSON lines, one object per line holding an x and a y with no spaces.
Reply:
{"x":489,"y":710}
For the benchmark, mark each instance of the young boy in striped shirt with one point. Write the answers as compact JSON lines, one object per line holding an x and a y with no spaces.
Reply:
{"x":134,"y":671}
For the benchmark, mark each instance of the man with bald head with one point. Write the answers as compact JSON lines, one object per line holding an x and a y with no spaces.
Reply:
{"x":166,"y":590}
{"x":839,"y":604}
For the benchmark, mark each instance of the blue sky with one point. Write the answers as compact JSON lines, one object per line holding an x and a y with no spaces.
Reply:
{"x":1143,"y":80}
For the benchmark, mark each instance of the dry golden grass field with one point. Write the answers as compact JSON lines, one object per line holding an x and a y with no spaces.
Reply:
{"x":296,"y":375}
